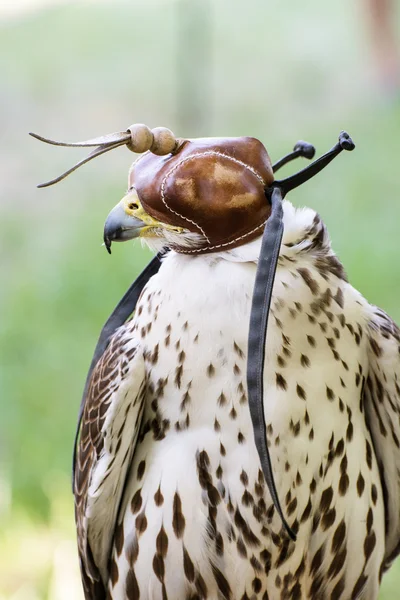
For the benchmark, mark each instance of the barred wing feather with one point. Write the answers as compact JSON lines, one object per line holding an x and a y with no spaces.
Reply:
{"x":109,"y":430}
{"x":382,"y":412}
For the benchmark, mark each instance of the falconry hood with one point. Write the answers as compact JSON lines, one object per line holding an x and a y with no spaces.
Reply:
{"x":223,"y":190}
{"x":212,"y":186}
{"x":217,"y":188}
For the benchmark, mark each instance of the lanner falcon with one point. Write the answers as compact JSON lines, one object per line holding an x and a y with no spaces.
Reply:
{"x":171,"y":499}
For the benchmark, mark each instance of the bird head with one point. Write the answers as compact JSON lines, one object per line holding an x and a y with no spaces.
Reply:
{"x":197,"y":195}
{"x":206,"y":194}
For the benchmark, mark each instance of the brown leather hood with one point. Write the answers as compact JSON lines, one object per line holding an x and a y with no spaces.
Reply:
{"x":212,"y":186}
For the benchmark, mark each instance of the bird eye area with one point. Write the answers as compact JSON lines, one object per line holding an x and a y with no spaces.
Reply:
{"x":133,"y":205}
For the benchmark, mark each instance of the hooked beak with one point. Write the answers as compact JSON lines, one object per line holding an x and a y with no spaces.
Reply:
{"x":129,"y":220}
{"x":120,"y":226}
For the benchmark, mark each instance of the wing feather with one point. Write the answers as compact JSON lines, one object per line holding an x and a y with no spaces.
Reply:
{"x":382,"y":411}
{"x":110,"y":425}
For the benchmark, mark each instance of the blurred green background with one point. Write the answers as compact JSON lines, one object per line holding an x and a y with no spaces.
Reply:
{"x":71,"y":71}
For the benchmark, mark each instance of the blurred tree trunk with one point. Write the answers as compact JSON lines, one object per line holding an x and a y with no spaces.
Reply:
{"x":194,"y":19}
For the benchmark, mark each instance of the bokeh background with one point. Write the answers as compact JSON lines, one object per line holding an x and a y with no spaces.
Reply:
{"x":73,"y":70}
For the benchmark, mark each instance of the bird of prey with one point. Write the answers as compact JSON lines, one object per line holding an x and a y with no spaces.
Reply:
{"x":171,"y":498}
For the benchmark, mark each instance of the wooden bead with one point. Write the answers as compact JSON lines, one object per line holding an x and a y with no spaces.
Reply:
{"x":164,"y":141}
{"x":141,"y":138}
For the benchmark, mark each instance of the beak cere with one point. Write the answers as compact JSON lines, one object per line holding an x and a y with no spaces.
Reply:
{"x":120,"y":226}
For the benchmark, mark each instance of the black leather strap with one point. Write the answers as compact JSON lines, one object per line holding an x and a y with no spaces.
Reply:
{"x":120,"y":314}
{"x":262,"y":293}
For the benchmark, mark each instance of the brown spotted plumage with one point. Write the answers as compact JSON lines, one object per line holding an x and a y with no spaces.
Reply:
{"x":171,"y":503}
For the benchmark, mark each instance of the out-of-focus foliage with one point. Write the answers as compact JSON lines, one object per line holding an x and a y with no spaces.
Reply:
{"x":80,"y":70}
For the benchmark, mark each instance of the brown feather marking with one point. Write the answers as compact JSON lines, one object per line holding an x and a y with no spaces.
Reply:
{"x":119,"y":538}
{"x":301,"y":392}
{"x":210,"y":370}
{"x":221,"y":399}
{"x":222,"y":582}
{"x":304,"y":360}
{"x":178,"y":375}
{"x":132,"y":587}
{"x":238,"y":350}
{"x":280,"y":381}
{"x":188,"y":565}
{"x":158,"y":497}
{"x":201,"y":586}
{"x":114,"y":574}
{"x":132,"y":551}
{"x":359,"y":586}
{"x":141,"y":523}
{"x":159,"y":567}
{"x":248,"y":535}
{"x":136,"y":502}
{"x":309,"y":280}
{"x":178,"y":519}
{"x":162,"y":543}
{"x":141,"y":469}
{"x":337,"y":563}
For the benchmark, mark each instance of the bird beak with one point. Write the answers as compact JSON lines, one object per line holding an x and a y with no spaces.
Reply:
{"x":121,"y":226}
{"x":129,"y":220}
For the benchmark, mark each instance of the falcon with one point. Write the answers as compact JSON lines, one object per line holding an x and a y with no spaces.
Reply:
{"x":172,"y":492}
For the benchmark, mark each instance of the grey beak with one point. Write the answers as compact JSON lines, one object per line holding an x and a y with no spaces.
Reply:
{"x":120,"y":227}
